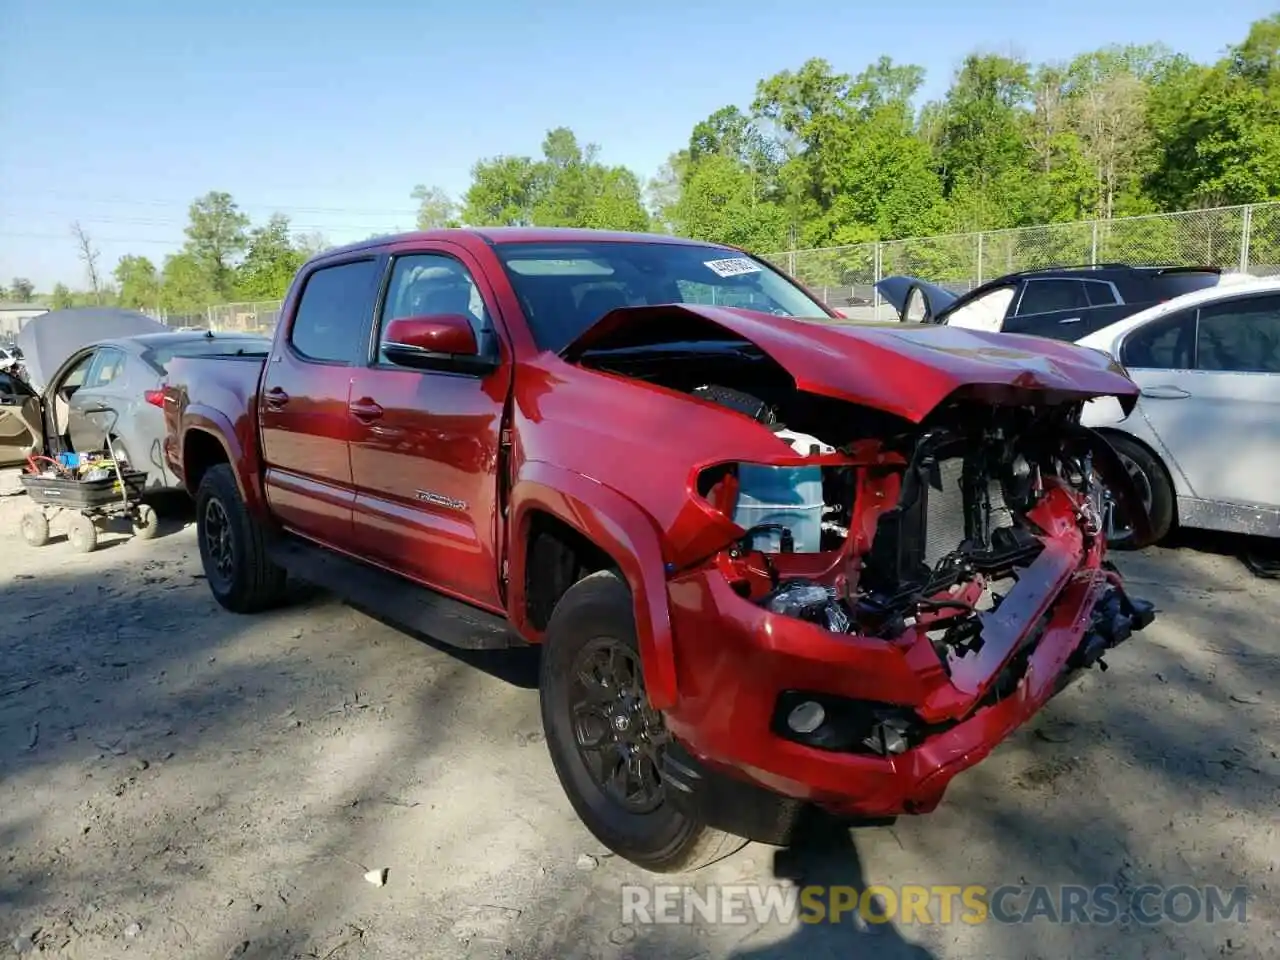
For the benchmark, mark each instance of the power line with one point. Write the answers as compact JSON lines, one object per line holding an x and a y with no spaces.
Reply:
{"x":279,"y":208}
{"x":67,"y":236}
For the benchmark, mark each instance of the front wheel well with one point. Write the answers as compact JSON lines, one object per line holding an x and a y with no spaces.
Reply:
{"x":556,"y":557}
{"x":200,"y":452}
{"x":1110,"y":435}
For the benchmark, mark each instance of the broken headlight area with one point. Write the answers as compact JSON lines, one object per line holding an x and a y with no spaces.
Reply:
{"x":842,"y":725}
{"x":928,"y":529}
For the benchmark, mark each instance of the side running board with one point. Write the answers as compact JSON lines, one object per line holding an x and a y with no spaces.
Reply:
{"x":409,"y":605}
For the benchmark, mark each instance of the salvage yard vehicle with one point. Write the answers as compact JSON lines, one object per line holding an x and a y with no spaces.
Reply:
{"x":775,"y":560}
{"x":101,"y":368}
{"x":1203,"y":442}
{"x":1062,"y":303}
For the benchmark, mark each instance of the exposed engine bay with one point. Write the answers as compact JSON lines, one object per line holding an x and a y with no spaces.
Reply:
{"x":924,"y":526}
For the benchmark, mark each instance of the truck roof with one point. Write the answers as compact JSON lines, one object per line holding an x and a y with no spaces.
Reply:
{"x":492,"y":235}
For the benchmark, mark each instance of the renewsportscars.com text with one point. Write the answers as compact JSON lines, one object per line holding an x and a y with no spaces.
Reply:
{"x":935,"y":904}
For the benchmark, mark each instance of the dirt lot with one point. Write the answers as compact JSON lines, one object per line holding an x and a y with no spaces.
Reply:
{"x":178,"y":782}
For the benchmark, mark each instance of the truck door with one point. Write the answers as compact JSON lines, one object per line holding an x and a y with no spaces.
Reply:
{"x":306,"y":387}
{"x":425,"y":443}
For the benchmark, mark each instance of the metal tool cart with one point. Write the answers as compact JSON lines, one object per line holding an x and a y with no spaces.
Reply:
{"x":97,"y":488}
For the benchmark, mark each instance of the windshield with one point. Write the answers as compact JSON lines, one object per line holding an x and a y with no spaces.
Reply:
{"x":159,"y":357}
{"x":565,"y":288}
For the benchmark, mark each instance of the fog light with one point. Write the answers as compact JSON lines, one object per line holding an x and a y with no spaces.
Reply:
{"x":888,"y":737}
{"x":806,"y":717}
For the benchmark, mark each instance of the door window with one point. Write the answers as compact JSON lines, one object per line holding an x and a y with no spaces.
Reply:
{"x":108,"y":364}
{"x":1048,"y":296}
{"x":1100,"y":294}
{"x":74,"y":379}
{"x":1164,"y":344}
{"x":1241,"y":336}
{"x":434,"y":283}
{"x":985,"y":313}
{"x":331,"y":323}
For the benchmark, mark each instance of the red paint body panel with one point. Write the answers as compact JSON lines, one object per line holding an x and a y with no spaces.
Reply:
{"x":304,"y":429}
{"x":901,"y":369}
{"x":425,"y":478}
{"x":437,"y":477}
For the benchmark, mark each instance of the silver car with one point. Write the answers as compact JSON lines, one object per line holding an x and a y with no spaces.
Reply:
{"x":108,"y":388}
{"x":1203,"y":442}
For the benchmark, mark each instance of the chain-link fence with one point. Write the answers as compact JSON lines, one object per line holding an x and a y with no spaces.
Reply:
{"x":1244,"y":238}
{"x":256,"y":317}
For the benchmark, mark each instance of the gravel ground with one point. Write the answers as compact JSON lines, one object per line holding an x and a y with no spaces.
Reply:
{"x":176,"y":781}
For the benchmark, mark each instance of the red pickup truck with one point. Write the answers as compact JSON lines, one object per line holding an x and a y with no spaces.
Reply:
{"x":777,"y":561}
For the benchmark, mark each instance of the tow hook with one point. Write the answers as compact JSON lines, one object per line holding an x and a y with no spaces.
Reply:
{"x":1115,"y":617}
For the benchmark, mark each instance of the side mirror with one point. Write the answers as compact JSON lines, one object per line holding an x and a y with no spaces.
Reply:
{"x":440,"y":341}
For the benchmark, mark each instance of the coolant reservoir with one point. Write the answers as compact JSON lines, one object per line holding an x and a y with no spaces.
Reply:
{"x":788,"y":496}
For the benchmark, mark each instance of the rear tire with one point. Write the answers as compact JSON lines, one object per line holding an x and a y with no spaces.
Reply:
{"x":233,"y":548}
{"x":593,"y":624}
{"x":1150,"y":473}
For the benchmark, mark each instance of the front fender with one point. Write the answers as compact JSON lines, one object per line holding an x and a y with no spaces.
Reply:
{"x":621,"y":529}
{"x":241,"y":451}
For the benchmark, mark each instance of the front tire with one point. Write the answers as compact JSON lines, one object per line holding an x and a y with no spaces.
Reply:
{"x":232,"y":547}
{"x":1154,"y":486}
{"x":35,"y":528}
{"x":605,"y":740}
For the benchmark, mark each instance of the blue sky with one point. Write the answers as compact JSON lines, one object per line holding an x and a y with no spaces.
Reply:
{"x":120,"y":113}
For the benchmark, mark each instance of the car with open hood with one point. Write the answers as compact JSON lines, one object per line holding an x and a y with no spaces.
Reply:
{"x":774,"y":559}
{"x":94,"y":374}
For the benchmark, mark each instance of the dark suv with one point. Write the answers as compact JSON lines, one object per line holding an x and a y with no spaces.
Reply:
{"x":1064,"y":303}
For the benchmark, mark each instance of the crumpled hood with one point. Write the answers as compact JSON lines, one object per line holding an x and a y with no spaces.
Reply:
{"x":903,"y":369}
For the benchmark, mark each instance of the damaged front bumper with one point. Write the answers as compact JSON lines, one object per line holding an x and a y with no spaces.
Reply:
{"x":893,"y":726}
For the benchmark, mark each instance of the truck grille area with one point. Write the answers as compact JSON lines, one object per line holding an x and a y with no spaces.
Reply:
{"x":945,"y":511}
{"x":951,"y":521}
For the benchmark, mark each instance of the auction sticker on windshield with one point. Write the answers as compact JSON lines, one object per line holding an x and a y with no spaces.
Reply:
{"x":733,"y":267}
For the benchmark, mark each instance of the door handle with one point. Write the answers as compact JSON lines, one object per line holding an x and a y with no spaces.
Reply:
{"x":1165,"y":392}
{"x":1070,"y":320}
{"x":276,"y":398}
{"x":365,"y":409}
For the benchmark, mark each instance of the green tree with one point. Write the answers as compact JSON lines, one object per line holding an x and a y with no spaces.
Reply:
{"x":717,"y":201}
{"x":270,"y":261}
{"x":502,"y":192}
{"x":139,"y":282}
{"x":62,"y":299}
{"x":217,"y":233}
{"x":436,"y":209}
{"x":185,"y":285}
{"x":1216,"y":129}
{"x":567,"y":187}
{"x":22,"y":290}
{"x":984,"y":155}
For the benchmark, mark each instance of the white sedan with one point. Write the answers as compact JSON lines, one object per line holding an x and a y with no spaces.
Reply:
{"x":1203,"y":442}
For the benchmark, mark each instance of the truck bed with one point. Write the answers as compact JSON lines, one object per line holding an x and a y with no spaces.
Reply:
{"x":227,"y":388}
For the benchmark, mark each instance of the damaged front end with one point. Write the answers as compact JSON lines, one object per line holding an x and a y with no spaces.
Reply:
{"x":970,"y":551}
{"x":910,"y":575}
